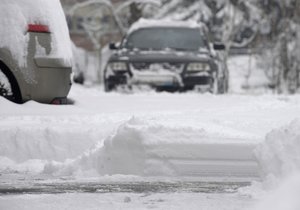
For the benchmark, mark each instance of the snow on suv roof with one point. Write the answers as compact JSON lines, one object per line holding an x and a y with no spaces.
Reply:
{"x":15,"y":17}
{"x":145,"y":23}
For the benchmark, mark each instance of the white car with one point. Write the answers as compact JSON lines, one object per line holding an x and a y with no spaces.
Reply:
{"x":35,"y":51}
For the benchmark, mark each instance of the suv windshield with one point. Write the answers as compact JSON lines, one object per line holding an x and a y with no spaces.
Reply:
{"x":186,"y":39}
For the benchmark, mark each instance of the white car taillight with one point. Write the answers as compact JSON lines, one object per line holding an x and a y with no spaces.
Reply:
{"x":38,"y":28}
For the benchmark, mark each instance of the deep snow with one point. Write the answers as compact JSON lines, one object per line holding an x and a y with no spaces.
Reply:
{"x":71,"y":141}
{"x":168,"y":132}
{"x":137,"y":136}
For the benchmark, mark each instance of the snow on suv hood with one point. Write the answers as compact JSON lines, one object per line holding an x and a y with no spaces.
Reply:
{"x":17,"y":14}
{"x":144,"y":23}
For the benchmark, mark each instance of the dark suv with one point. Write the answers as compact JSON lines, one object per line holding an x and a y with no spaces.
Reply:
{"x":166,"y":55}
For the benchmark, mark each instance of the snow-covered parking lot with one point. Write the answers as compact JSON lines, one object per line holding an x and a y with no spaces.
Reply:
{"x":146,"y":134}
{"x":229,"y":139}
{"x":145,"y":137}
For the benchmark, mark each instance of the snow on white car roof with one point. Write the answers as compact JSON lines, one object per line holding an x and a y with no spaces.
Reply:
{"x":15,"y":17}
{"x":146,"y":23}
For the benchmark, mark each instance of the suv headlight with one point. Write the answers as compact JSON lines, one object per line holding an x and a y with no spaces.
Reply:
{"x":198,"y":67}
{"x":118,"y":66}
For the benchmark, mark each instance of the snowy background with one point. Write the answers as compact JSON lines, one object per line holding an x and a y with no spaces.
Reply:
{"x":146,"y":137}
{"x":148,"y":150}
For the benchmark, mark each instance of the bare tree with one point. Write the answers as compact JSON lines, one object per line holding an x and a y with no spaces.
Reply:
{"x":285,"y":53}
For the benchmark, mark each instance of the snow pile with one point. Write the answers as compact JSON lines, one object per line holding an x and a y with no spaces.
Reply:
{"x":279,"y":160}
{"x":30,"y":141}
{"x":138,"y":147}
{"x":45,"y":138}
{"x":32,"y":166}
{"x":286,"y":197}
{"x":177,"y":133}
{"x":279,"y":155}
{"x":15,"y":17}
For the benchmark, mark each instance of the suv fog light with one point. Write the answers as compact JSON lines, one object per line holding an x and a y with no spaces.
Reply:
{"x":198,"y":67}
{"x":118,"y":66}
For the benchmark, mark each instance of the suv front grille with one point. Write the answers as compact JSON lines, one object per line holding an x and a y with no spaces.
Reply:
{"x":177,"y":67}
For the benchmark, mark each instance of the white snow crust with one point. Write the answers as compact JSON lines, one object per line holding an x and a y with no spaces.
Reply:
{"x":141,"y":135}
{"x":99,"y":132}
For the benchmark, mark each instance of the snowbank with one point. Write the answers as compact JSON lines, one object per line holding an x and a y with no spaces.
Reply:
{"x":286,"y":197}
{"x":138,"y":147}
{"x":17,"y":14}
{"x":279,"y":160}
{"x":32,"y":141}
{"x":279,"y":155}
{"x":171,"y":134}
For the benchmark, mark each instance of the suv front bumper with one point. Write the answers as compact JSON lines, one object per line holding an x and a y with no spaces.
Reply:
{"x":161,"y":81}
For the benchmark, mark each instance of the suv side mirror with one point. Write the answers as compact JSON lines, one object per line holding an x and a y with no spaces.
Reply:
{"x":113,"y":46}
{"x":219,"y":46}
